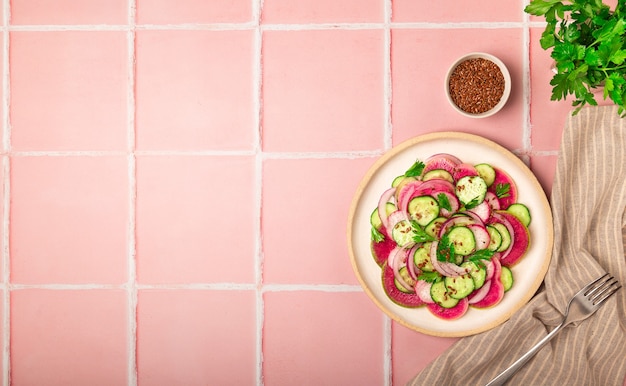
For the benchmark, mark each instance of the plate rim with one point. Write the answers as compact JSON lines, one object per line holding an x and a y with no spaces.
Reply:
{"x":456,"y":135}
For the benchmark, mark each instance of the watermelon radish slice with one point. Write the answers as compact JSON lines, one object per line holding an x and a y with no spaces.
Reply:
{"x":479,"y":294}
{"x":422,"y":289}
{"x":400,"y":298}
{"x":520,"y":240}
{"x":503,"y":178}
{"x":464,"y":170}
{"x":442,"y":162}
{"x":449,"y":313}
{"x":381,"y":250}
{"x":481,"y":235}
{"x":492,"y":200}
{"x":496,"y":289}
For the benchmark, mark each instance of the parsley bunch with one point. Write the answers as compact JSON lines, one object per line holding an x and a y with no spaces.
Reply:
{"x":588,"y":42}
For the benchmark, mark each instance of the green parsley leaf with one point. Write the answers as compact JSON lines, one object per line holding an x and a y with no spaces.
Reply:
{"x":445,"y":249}
{"x":473,"y":203}
{"x":444,"y":202}
{"x":419,"y":234}
{"x":376,"y":235}
{"x":430,"y":277}
{"x":503,"y":190}
{"x":480,"y":255}
{"x":415,"y":170}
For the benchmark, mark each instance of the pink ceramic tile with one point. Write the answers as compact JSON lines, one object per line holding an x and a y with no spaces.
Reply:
{"x":59,"y":103}
{"x":446,"y":11}
{"x":195,"y":219}
{"x":323,"y":90}
{"x":61,"y":337}
{"x":69,"y":12}
{"x":193,"y":11}
{"x":195,"y":337}
{"x":322,"y":338}
{"x":69,"y":219}
{"x":544,"y":168}
{"x":304,"y":219}
{"x":4,"y":185}
{"x":419,"y":100}
{"x":195,"y":90}
{"x":322,"y":11}
{"x":412,"y":352}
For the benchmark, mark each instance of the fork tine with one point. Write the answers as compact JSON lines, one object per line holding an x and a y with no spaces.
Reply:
{"x":601,"y":298}
{"x":592,"y":286}
{"x":601,"y":288}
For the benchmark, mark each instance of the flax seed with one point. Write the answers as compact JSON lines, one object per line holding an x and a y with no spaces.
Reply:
{"x":476,"y":85}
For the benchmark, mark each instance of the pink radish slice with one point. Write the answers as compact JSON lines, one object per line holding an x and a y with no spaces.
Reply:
{"x":397,"y":296}
{"x":422,"y":289}
{"x":481,"y":235}
{"x":405,"y":193}
{"x":394,"y":218}
{"x":455,"y":160}
{"x":479,"y":294}
{"x":503,"y":178}
{"x":454,"y":221}
{"x":498,"y":217}
{"x":491,"y":267}
{"x":492,"y":200}
{"x":382,"y":206}
{"x":449,"y":313}
{"x":410,"y":263}
{"x":494,"y":296}
{"x":464,"y":170}
{"x":439,"y":163}
{"x":381,"y":250}
{"x":452,"y":199}
{"x":398,"y":262}
{"x":482,"y":210}
{"x":520,"y":241}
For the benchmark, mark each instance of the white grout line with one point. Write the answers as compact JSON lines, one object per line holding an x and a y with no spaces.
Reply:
{"x":6,"y":202}
{"x":257,"y":78}
{"x":131,"y":287}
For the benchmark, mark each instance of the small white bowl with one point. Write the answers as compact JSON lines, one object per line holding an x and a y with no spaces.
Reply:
{"x":505,"y":94}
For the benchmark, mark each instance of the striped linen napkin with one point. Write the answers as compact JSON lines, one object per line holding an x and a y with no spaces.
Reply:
{"x":588,"y":202}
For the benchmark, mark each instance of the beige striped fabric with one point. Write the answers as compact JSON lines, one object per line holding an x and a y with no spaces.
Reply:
{"x":588,"y":201}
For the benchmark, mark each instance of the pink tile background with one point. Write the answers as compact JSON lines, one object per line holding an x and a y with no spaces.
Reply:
{"x":176,"y":177}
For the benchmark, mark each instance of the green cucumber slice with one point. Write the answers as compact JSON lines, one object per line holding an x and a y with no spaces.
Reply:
{"x":459,"y":287}
{"x":432,"y":229}
{"x":402,"y":233}
{"x":375,"y":217}
{"x":520,"y":211}
{"x":463,"y":240}
{"x":495,"y":238}
{"x":438,"y":173}
{"x":506,"y":236}
{"x":440,"y":295}
{"x":423,"y":209}
{"x":486,"y":172}
{"x":506,"y":277}
{"x":471,"y":189}
{"x":421,"y":258}
{"x":478,"y":273}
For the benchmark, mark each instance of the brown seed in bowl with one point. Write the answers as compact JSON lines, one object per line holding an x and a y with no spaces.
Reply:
{"x":476,"y":85}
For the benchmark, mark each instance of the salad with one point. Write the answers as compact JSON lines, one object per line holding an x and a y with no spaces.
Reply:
{"x":446,"y":234}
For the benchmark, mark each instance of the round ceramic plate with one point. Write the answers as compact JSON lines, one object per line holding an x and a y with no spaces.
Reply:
{"x":528,"y":272}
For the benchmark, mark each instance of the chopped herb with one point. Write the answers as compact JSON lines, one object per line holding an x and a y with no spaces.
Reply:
{"x":415,"y":170}
{"x":502,"y":190}
{"x":377,"y":236}
{"x":445,"y":249}
{"x":420,"y":235}
{"x":473,"y":204}
{"x":429,"y":277}
{"x":480,"y":255}
{"x":443,"y":201}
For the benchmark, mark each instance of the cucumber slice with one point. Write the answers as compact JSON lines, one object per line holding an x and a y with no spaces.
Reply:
{"x":520,"y":211}
{"x":506,"y":277}
{"x":495,"y":238}
{"x":438,"y":173}
{"x":463,"y":240}
{"x":506,"y":236}
{"x":432,"y":229}
{"x":421,"y":258}
{"x":404,"y":272}
{"x":375,"y":217}
{"x":478,"y":273}
{"x":486,"y":172}
{"x":440,"y":295}
{"x":402,"y":233}
{"x":459,"y":287}
{"x":471,"y":189}
{"x":423,"y":209}
{"x":396,"y":181}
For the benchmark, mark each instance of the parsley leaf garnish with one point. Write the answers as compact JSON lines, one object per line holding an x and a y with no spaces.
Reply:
{"x":443,"y":201}
{"x":445,"y":249}
{"x":415,"y":170}
{"x":479,"y":255}
{"x":473,"y":204}
{"x":429,"y":277}
{"x":377,"y":236}
{"x":502,"y":190}
{"x":420,"y":235}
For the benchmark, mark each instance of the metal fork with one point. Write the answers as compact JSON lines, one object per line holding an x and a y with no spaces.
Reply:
{"x":580,"y":307}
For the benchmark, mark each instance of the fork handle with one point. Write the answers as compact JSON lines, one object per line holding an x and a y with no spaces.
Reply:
{"x":518,"y":364}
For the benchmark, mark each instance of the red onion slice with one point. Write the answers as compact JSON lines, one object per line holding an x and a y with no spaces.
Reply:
{"x":480,"y":293}
{"x":382,"y":206}
{"x":422,"y":289}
